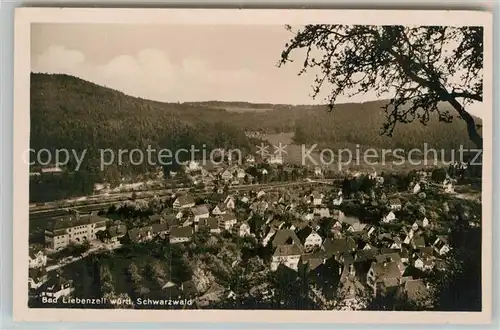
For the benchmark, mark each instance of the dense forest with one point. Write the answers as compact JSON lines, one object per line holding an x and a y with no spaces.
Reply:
{"x":71,"y":113}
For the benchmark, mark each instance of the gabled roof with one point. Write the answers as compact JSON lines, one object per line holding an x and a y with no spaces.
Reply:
{"x":221,"y":206}
{"x":304,"y":233}
{"x":386,"y":270}
{"x":159,"y":227}
{"x":200,"y":210}
{"x":364,"y":255}
{"x":416,"y":290}
{"x":185,"y":200}
{"x":181,"y":232}
{"x":358,"y":226}
{"x":155,"y":218}
{"x":419,"y":241}
{"x":323,"y":212}
{"x":348,"y":220}
{"x":316,"y":195}
{"x":335,"y":246}
{"x":229,"y":216}
{"x":117,"y":230}
{"x":138,"y":233}
{"x":210,"y":222}
{"x":34,"y":250}
{"x":287,"y":250}
{"x":71,"y":220}
{"x":313,"y":260}
{"x":285,"y":236}
{"x":389,"y":257}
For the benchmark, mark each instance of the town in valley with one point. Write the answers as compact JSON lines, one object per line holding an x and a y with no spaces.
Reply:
{"x":263,"y":234}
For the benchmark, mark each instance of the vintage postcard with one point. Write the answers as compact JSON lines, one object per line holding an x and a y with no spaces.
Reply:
{"x":252,"y":165}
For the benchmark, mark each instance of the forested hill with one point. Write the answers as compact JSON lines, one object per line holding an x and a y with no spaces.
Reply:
{"x":68,"y":112}
{"x":347,"y":125}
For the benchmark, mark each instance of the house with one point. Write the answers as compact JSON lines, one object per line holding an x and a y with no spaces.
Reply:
{"x":74,"y":228}
{"x":416,"y":188}
{"x":171,"y":220}
{"x":357,"y":227}
{"x":37,"y":277}
{"x":212,"y":223}
{"x":56,"y":287}
{"x":334,"y":247}
{"x":370,"y":231}
{"x":264,"y":171}
{"x":309,"y":238}
{"x":337,"y":225}
{"x":311,"y":261}
{"x":417,"y":292}
{"x":441,"y":245}
{"x":396,"y":243}
{"x":261,"y":193}
{"x":219,"y":209}
{"x":245,"y":199}
{"x":183,"y":202}
{"x":276,"y":224}
{"x":387,"y":255}
{"x":160,"y":229}
{"x":316,"y":199}
{"x":418,"y":242}
{"x":192,"y":166}
{"x":347,"y":220}
{"x":37,"y":258}
{"x":116,"y":232}
{"x":390,"y":217}
{"x":415,"y":226}
{"x":383,"y":276}
{"x":200,"y":212}
{"x":338,"y":200}
{"x":155,"y":218}
{"x":250,"y":159}
{"x":243,"y":229}
{"x":322,"y":212}
{"x":395,"y":204}
{"x":226,"y":221}
{"x":142,"y":234}
{"x":214,"y":294}
{"x":308,"y":216}
{"x":404,"y":255}
{"x":227,"y":175}
{"x":424,"y":262}
{"x":240,"y":173}
{"x":288,"y":255}
{"x":230,"y":202}
{"x":267,"y":237}
{"x":285,"y":236}
{"x":425,"y":223}
{"x":189,"y":289}
{"x":180,"y":235}
{"x":275,"y":159}
{"x":317,"y":171}
{"x":408,"y":236}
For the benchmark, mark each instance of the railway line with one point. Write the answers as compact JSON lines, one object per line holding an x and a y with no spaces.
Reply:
{"x":97,"y":203}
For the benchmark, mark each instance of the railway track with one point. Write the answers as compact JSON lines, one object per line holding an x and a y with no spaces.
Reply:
{"x":100,"y":204}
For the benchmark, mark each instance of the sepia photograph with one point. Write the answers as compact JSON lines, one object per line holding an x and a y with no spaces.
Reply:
{"x":264,"y":161}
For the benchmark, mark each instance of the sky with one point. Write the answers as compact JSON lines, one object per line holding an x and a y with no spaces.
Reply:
{"x":180,"y":63}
